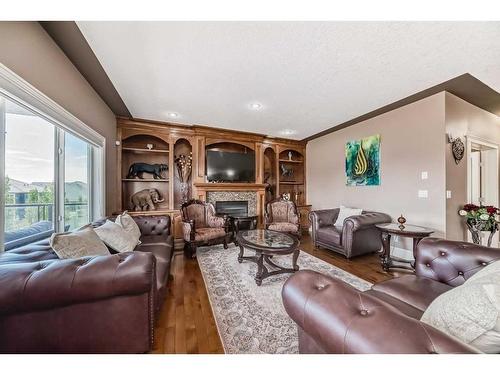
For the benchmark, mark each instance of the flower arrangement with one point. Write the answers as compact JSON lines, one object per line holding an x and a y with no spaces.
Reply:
{"x":481,"y":218}
{"x":184,"y":164}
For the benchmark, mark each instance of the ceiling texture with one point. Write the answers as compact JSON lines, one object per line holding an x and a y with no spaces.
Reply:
{"x":308,"y":76}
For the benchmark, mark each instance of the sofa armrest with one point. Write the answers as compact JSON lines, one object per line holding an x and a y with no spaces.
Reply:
{"x":154,"y":225}
{"x":55,"y":283}
{"x":452,"y":262}
{"x":341,"y":319}
{"x":366,"y":220}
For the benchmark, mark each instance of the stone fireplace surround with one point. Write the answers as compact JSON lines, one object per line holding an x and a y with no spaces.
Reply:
{"x":250,"y":196}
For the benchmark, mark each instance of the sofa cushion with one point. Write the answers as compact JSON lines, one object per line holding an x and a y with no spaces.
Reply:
{"x":205,"y":234}
{"x":471,"y":312}
{"x":330,"y":234}
{"x":84,"y":242}
{"x":416,"y":291}
{"x":284,"y":227}
{"x":128,"y":223}
{"x":346,"y":212}
{"x":115,"y":236}
{"x":397,"y":303}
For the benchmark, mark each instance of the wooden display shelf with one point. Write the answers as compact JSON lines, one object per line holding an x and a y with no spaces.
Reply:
{"x":291,"y":161}
{"x":144,"y":180}
{"x":291,"y":183}
{"x":133,"y":149}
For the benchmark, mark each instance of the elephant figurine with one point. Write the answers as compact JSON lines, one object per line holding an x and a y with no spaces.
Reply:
{"x":145,"y":199}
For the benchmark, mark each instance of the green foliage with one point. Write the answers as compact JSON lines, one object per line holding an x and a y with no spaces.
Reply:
{"x":9,"y":198}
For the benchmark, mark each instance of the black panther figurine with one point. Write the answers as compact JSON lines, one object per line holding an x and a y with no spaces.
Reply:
{"x":138,"y":169}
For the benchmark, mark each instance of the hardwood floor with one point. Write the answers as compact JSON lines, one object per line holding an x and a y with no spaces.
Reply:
{"x":186,"y":323}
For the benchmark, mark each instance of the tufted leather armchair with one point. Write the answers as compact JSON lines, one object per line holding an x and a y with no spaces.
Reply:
{"x":334,"y":317}
{"x":102,"y":304}
{"x":281,"y":215}
{"x":201,"y":227}
{"x":357,"y":236}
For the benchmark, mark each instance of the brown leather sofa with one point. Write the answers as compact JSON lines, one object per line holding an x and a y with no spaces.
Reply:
{"x":103,"y":304}
{"x":357,"y":236}
{"x":333,"y":317}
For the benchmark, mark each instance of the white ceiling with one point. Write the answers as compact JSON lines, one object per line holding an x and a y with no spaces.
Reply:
{"x":309,"y":76}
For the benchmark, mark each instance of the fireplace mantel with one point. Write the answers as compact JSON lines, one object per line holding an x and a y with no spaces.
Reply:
{"x":228,"y":186}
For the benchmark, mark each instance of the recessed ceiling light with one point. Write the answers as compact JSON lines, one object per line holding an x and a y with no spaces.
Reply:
{"x":288,"y":132}
{"x":173,"y":114}
{"x":256,"y":106}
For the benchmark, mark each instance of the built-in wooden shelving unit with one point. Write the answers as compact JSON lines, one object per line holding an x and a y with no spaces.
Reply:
{"x":171,"y":140}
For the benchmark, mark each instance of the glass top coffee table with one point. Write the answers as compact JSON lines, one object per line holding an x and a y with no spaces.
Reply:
{"x":266,"y":244}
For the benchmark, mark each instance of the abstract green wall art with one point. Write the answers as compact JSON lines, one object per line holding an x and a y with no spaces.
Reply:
{"x":362,"y":161}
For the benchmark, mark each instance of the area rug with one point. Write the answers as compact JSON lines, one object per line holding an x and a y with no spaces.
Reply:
{"x":251,"y":318}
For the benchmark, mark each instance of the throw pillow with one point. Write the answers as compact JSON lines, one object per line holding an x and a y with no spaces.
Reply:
{"x":81,"y":243}
{"x":470,"y":312}
{"x":116,"y":237}
{"x":346,"y":212}
{"x":128,"y":223}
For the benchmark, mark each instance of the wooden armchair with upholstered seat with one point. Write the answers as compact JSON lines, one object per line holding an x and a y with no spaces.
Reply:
{"x":201,"y":227}
{"x":281,"y":215}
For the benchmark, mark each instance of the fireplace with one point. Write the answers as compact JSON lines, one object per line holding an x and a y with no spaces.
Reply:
{"x":232,"y":208}
{"x":249,"y":197}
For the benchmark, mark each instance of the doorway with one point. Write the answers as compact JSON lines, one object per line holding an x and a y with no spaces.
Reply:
{"x":482,"y":175}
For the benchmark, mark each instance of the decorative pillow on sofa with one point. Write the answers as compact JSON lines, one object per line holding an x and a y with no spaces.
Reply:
{"x":471,"y":312}
{"x":128,"y":223}
{"x":116,"y":237}
{"x":84,"y":242}
{"x":346,"y":212}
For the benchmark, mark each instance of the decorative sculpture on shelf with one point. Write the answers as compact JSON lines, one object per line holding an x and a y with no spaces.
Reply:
{"x":146,"y":199}
{"x":149,"y":146}
{"x":138,"y":170}
{"x":184,"y":164}
{"x":286,"y":172}
{"x":457,"y":148}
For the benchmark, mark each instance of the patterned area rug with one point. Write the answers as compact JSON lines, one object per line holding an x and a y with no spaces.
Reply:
{"x":251,"y":318}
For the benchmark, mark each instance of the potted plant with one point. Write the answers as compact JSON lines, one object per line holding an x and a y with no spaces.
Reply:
{"x":480,"y":219}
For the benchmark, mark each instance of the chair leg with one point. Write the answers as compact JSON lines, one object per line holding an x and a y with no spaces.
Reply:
{"x":225,"y":242}
{"x":193,"y":252}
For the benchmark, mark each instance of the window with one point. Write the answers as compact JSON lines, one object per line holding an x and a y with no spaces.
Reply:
{"x":29,"y":174}
{"x":76,"y":182}
{"x":51,"y":167}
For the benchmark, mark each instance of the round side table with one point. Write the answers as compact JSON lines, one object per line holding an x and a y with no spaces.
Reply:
{"x":411,"y":231}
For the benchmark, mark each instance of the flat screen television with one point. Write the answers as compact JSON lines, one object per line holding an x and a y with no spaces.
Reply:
{"x":223,"y":166}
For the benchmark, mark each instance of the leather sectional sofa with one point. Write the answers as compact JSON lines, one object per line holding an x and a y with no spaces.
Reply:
{"x":103,"y":304}
{"x":333,"y":317}
{"x":357,"y":236}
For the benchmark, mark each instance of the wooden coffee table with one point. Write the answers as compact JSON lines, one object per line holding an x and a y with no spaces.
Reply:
{"x":266,"y":244}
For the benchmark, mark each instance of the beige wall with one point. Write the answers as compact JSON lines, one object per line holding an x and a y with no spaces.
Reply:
{"x":412,"y":141}
{"x":463,"y":119}
{"x":27,"y":49}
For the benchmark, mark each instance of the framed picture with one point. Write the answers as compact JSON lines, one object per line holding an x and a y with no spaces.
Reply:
{"x":362,"y":161}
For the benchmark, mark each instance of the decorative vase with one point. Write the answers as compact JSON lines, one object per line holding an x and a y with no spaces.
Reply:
{"x":401,"y":221}
{"x":184,"y":187}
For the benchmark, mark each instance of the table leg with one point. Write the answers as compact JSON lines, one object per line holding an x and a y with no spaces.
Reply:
{"x":294,"y":260}
{"x":260,"y":269}
{"x":416,"y":240}
{"x":385,"y":255}
{"x":240,"y":255}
